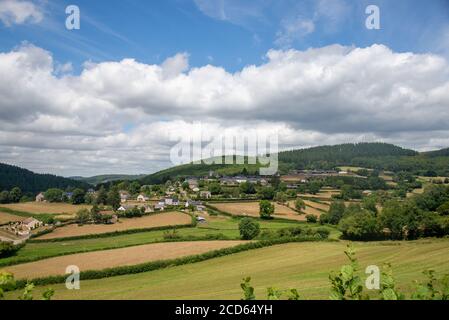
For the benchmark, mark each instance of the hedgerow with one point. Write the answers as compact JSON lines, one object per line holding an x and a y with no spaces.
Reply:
{"x":156,"y":265}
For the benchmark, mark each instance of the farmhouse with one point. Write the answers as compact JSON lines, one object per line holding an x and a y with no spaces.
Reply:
{"x":40,"y":197}
{"x":171,"y":201}
{"x":31,"y":223}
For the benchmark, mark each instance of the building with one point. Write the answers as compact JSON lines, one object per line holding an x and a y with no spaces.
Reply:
{"x":205,"y":195}
{"x":31,"y":223}
{"x":171,"y":201}
{"x":124,"y":196}
{"x":142,"y":198}
{"x":40,"y":197}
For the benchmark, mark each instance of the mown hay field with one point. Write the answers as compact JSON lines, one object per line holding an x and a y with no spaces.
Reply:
{"x":252,"y":209}
{"x":45,"y":207}
{"x":156,"y":220}
{"x":99,"y":260}
{"x":304,"y":266}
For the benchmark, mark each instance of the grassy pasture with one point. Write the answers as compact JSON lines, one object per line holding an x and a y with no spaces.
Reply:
{"x":99,"y":260}
{"x":46,"y":208}
{"x":157,"y":220}
{"x":251,"y":209}
{"x":214,"y":226}
{"x":304,"y":266}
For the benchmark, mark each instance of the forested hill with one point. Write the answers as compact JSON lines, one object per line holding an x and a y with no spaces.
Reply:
{"x":328,"y":157}
{"x":380,"y":156}
{"x":95,"y":180}
{"x":30,"y":182}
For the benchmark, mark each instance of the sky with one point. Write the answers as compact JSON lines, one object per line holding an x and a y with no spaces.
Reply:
{"x":106,"y":98}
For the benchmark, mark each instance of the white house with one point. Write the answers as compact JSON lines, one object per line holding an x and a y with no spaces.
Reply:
{"x":205,"y":194}
{"x":124,"y":195}
{"x":142,"y":198}
{"x":40,"y":197}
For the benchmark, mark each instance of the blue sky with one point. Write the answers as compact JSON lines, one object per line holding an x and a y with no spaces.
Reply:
{"x":109,"y":97}
{"x":228,"y":33}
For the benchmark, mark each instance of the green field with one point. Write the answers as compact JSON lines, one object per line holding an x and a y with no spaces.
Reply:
{"x":304,"y":266}
{"x":217,"y":225}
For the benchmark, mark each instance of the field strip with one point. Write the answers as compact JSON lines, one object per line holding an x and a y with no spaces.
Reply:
{"x":7,"y":217}
{"x":251,"y":209}
{"x":304,"y":266}
{"x":157,"y":220}
{"x":117,"y":257}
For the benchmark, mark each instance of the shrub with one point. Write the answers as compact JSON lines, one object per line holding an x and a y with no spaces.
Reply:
{"x":300,"y":204}
{"x":266,"y":209}
{"x":311,"y":218}
{"x":249,"y":229}
{"x":8,"y":249}
{"x":360,"y":226}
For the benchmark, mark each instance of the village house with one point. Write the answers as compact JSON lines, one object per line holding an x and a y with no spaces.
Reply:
{"x":40,"y":197}
{"x":205,"y":195}
{"x":142,"y":198}
{"x":160,"y":206}
{"x":171,"y":201}
{"x":124,"y":196}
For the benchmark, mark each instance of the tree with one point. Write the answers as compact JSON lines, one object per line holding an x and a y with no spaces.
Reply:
{"x":370,"y":204}
{"x":247,"y":188}
{"x":311,"y":218}
{"x":266,"y":209}
{"x":15,"y":194}
{"x":281,"y":197}
{"x":314,"y":187}
{"x":113,"y":198}
{"x":134,"y":187}
{"x":83,"y":216}
{"x":53,"y":195}
{"x":185,"y":185}
{"x":360,"y":226}
{"x":4,"y":197}
{"x":78,"y":196}
{"x":95,"y":214}
{"x":102,"y":196}
{"x":214,"y":188}
{"x":266,"y":193}
{"x":300,"y":204}
{"x":336,"y":211}
{"x":249,"y":229}
{"x":444,"y":209}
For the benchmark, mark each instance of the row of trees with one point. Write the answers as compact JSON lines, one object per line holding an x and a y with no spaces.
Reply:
{"x":13,"y":196}
{"x":425,"y":215}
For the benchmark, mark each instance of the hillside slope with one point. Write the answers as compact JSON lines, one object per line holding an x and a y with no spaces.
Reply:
{"x":381,"y":156}
{"x":107,"y":178}
{"x":30,"y":182}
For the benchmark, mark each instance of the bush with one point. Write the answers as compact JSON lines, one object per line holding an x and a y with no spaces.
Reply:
{"x":249,"y":229}
{"x":266,"y":209}
{"x":8,"y":249}
{"x":311,"y":218}
{"x":360,"y":226}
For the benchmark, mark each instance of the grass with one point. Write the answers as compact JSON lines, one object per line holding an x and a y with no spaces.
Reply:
{"x":215,"y":225}
{"x":304,"y":266}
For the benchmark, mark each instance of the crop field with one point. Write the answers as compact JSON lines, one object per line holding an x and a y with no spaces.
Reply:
{"x":323,"y":194}
{"x":322,"y":206}
{"x":157,"y":220}
{"x":215,"y":226}
{"x":304,"y":266}
{"x":99,"y":260}
{"x":7,"y":217}
{"x":44,"y":207}
{"x":252,"y":209}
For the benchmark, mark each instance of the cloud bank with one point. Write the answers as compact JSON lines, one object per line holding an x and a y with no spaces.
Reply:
{"x":117,"y":116}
